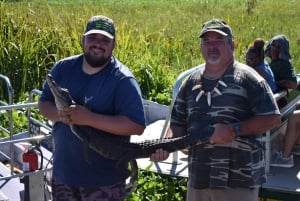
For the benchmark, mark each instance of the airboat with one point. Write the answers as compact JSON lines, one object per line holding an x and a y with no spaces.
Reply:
{"x":20,"y":182}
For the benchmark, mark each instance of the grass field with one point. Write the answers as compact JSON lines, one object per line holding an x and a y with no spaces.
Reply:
{"x":156,"y":39}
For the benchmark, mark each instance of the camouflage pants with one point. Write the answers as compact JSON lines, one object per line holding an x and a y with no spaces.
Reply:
{"x":62,"y":192}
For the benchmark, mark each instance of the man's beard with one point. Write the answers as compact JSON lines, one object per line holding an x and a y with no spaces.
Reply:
{"x":95,"y":62}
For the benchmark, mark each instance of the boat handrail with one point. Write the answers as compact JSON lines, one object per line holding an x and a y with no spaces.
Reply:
{"x":9,"y":107}
{"x":18,"y":106}
{"x":10,"y":93}
{"x":26,"y":139}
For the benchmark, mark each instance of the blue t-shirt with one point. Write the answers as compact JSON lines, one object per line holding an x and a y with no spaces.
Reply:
{"x":269,"y":76}
{"x":113,"y":90}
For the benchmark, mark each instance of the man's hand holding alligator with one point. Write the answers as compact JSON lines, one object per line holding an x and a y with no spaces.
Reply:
{"x":223,"y":134}
{"x":159,"y":155}
{"x":64,"y":116}
{"x":74,"y":114}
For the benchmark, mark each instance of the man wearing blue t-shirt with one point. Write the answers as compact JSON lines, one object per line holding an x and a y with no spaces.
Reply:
{"x":108,"y":98}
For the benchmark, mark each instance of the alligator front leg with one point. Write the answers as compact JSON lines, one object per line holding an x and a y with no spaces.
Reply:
{"x":133,"y":177}
{"x":127,"y":159}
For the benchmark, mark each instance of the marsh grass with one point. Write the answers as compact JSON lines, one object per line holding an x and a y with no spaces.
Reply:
{"x":156,"y":39}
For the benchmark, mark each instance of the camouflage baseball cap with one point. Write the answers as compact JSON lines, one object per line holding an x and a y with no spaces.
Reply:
{"x":102,"y":25}
{"x":216,"y":25}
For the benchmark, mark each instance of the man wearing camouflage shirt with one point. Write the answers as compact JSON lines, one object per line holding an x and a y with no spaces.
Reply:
{"x":239,"y":104}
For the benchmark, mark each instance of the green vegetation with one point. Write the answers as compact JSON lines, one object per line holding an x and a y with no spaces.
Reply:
{"x":156,"y":39}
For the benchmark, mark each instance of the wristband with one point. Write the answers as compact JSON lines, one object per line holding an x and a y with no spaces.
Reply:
{"x":237,"y":129}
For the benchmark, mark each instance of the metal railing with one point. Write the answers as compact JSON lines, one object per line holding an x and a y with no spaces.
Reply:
{"x":9,"y":107}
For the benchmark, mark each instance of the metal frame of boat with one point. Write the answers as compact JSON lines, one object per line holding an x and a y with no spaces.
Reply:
{"x":282,"y":183}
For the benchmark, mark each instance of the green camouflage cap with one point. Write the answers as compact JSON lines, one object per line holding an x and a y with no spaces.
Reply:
{"x":102,"y":25}
{"x":216,"y":25}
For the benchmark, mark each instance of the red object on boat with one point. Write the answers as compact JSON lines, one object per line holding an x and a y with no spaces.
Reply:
{"x":30,"y":161}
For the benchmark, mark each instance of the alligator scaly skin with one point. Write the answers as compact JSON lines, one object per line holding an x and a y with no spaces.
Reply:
{"x":124,"y":152}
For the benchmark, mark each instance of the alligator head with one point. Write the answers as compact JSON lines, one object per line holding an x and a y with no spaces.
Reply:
{"x":61,"y":95}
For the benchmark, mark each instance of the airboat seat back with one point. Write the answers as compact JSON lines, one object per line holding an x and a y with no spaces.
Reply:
{"x":158,"y":116}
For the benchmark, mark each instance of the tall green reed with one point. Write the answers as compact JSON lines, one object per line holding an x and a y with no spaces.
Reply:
{"x":156,"y":39}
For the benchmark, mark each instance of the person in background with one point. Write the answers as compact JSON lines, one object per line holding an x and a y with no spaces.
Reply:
{"x":109,"y":100}
{"x":255,"y":57}
{"x":291,"y":146}
{"x":238,"y":104}
{"x":278,"y":49}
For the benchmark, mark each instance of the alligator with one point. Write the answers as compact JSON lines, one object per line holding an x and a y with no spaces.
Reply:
{"x":124,"y":152}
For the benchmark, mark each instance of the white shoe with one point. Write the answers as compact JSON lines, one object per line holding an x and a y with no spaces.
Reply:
{"x":278,"y":160}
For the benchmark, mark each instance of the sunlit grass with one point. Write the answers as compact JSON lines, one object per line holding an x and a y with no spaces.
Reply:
{"x":156,"y":39}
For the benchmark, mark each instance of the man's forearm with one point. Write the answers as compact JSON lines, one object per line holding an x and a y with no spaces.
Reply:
{"x":259,"y":124}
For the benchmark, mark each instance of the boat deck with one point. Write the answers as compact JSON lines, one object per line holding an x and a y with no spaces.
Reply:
{"x":283,"y":183}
